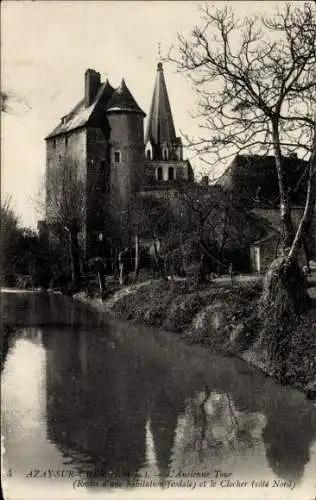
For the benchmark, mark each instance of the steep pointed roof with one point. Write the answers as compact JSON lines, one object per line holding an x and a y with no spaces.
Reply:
{"x":122,"y":100}
{"x":160,"y":126}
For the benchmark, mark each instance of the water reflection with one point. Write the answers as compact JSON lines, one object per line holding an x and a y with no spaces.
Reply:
{"x":97,"y":401}
{"x":122,"y":401}
{"x":111,"y":403}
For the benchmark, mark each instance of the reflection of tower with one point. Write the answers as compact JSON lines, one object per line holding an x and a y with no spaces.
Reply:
{"x":164,"y":418}
{"x":96,"y":401}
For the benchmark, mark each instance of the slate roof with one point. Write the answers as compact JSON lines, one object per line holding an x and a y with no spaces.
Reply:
{"x":122,"y":100}
{"x":107,"y":98}
{"x":254,"y":177}
{"x":160,"y":126}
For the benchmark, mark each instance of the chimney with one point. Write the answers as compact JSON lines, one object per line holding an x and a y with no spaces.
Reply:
{"x":92,"y":85}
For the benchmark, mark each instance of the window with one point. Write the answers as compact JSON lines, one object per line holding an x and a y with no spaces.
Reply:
{"x":54,"y":142}
{"x":66,"y":140}
{"x":117,"y":157}
{"x":171,"y":174}
{"x":159,"y":174}
{"x":148,"y":154}
{"x":165,"y":154}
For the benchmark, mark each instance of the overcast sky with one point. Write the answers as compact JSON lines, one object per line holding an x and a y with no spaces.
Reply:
{"x":46,"y":48}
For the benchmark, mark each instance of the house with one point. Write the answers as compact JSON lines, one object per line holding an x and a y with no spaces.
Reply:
{"x":253,"y":179}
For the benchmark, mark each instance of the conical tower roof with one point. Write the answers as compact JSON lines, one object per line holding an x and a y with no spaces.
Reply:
{"x":160,"y":126}
{"x":122,"y":100}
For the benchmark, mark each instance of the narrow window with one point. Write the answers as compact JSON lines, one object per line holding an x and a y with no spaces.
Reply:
{"x":148,"y":154}
{"x":117,"y":157}
{"x":165,"y":154}
{"x":54,"y":142}
{"x":66,"y":140}
{"x":159,"y":173}
{"x":171,"y":174}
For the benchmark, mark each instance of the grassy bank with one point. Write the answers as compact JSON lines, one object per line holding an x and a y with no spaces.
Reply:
{"x":221,"y":317}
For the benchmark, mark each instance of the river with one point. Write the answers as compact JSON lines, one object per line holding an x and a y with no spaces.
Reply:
{"x":90,"y":405}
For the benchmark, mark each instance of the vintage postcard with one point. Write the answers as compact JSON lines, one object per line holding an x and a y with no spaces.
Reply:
{"x":158,"y":250}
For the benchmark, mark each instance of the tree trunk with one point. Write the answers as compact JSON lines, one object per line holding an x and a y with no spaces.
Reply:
{"x":283,"y":298}
{"x":75,"y":261}
{"x":284,"y":294}
{"x":136,"y":267}
{"x":101,"y":281}
{"x":305,"y":223}
{"x":285,"y":211}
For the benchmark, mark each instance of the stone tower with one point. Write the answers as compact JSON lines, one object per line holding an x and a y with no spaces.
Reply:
{"x":125,"y":120}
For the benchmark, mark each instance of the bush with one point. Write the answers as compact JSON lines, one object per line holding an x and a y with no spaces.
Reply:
{"x":181,"y":311}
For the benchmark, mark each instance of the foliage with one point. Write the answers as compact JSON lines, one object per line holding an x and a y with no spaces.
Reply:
{"x":22,"y":252}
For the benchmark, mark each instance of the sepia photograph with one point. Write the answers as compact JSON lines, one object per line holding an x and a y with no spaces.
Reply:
{"x":158,"y":250}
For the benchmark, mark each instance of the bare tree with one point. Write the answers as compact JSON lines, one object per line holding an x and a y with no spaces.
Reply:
{"x":256,"y":79}
{"x":65,"y":209}
{"x":151,"y":218}
{"x":217,"y":223}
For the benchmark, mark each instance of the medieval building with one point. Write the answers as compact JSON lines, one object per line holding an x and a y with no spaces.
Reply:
{"x":102,"y":138}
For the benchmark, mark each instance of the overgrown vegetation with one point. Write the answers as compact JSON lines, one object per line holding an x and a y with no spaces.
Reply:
{"x":256,"y":80}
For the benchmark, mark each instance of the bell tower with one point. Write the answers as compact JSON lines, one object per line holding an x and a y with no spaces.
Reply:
{"x":161,"y":142}
{"x":163,"y":149}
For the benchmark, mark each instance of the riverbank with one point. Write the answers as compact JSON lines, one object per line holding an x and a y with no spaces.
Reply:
{"x":220,"y":316}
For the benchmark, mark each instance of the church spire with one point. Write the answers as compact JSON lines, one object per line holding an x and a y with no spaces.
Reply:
{"x":160,"y":134}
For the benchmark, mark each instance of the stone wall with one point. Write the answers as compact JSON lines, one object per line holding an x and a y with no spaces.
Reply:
{"x":61,"y":149}
{"x":98,"y":183}
{"x":180,"y":169}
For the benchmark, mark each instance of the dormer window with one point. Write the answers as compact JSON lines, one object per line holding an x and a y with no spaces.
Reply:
{"x":117,"y":156}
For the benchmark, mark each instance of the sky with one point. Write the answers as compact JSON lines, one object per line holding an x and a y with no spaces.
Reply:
{"x":46,"y":48}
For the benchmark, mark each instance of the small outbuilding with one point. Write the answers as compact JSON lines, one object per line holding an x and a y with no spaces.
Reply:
{"x":263,"y":251}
